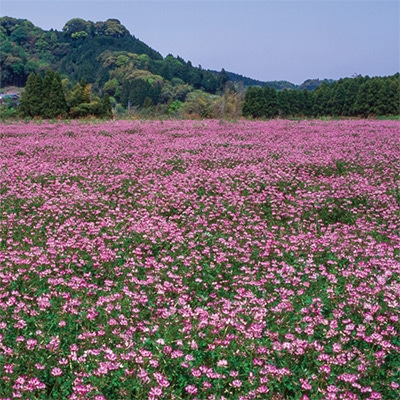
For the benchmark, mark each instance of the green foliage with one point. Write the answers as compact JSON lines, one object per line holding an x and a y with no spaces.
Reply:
{"x":44,"y":97}
{"x":349,"y":97}
{"x":7,"y":111}
{"x":77,"y":26}
{"x":255,"y":103}
{"x":199,"y":104}
{"x":31,"y":99}
{"x":111,"y":60}
{"x":174,"y":107}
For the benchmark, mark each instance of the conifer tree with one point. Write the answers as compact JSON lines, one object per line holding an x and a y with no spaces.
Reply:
{"x":24,"y":108}
{"x":58,"y":105}
{"x":283,"y":102}
{"x":393,"y":96}
{"x":254,"y":103}
{"x":106,"y":109}
{"x":31,"y":99}
{"x":46,"y":94}
{"x":271,"y":102}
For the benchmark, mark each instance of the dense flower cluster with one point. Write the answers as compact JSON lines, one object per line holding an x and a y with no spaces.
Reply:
{"x":208,"y":260}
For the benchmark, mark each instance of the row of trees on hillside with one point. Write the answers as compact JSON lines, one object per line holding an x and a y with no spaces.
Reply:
{"x":349,"y":97}
{"x":45,"y":97}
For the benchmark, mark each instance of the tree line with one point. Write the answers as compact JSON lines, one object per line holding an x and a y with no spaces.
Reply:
{"x":360,"y":96}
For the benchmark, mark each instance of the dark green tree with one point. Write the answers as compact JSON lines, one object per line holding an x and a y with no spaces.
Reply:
{"x":283,"y":102}
{"x":393,"y":95}
{"x":271,"y":102}
{"x":295,"y":102}
{"x":307,"y":103}
{"x":57,"y":104}
{"x":322,"y":96}
{"x":53,"y":99}
{"x":351,"y":86}
{"x":362,"y":104}
{"x":255,"y":104}
{"x":106,"y":109}
{"x":31,"y":98}
{"x":223,"y":79}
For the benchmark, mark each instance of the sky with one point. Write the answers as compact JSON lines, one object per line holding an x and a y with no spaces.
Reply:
{"x":266,"y":40}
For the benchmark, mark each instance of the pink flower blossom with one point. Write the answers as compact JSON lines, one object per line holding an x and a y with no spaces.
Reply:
{"x":56,"y":371}
{"x":191,"y":389}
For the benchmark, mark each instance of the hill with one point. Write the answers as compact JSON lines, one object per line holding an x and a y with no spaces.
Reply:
{"x":96,"y":52}
{"x":99,"y":52}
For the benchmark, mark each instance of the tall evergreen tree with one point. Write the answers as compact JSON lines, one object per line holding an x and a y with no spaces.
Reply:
{"x":361,"y":105}
{"x":32,"y":97}
{"x":322,"y":96}
{"x":106,"y":109}
{"x":255,"y":103}
{"x":393,"y":95}
{"x":58,"y":105}
{"x":338,"y":97}
{"x":47,"y":95}
{"x":271,"y":102}
{"x":283,"y":101}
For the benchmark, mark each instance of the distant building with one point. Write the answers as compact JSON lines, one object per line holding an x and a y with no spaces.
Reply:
{"x":12,"y":99}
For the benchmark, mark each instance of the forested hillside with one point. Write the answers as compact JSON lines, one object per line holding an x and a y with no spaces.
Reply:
{"x":97,"y":66}
{"x":104,"y":55}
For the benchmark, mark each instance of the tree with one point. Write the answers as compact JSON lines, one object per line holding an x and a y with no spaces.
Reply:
{"x":271,"y":102}
{"x":113,"y":27}
{"x":393,"y":95}
{"x":199,"y":104}
{"x":255,"y":103}
{"x":283,"y":101}
{"x":77,"y":28}
{"x":322,"y":97}
{"x":31,"y":98}
{"x":307,"y":102}
{"x":46,"y":108}
{"x":106,"y":109}
{"x":223,"y":79}
{"x":362,"y":103}
{"x":351,"y":86}
{"x":19,"y":35}
{"x":57,"y":104}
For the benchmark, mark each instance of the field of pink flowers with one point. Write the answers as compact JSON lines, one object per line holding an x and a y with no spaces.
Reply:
{"x":200,"y":260}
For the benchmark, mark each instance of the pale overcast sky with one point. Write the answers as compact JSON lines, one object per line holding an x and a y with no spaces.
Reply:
{"x":266,"y":40}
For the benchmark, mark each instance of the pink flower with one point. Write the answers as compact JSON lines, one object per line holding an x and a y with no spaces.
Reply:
{"x":161,"y":379}
{"x":9,"y":368}
{"x":263,"y":389}
{"x":207,"y":385}
{"x":237,"y":383}
{"x":337,"y":347}
{"x":30,"y":344}
{"x":155,"y":392}
{"x":375,"y":396}
{"x":326,"y":369}
{"x":56,"y":371}
{"x":222,"y":363}
{"x":191,"y":389}
{"x":305,"y":385}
